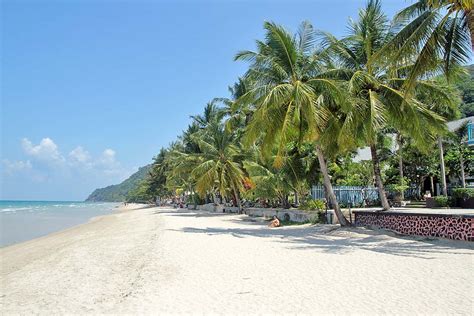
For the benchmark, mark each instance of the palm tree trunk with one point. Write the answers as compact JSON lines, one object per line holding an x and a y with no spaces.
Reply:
{"x":463,"y":177}
{"x":194,"y":196}
{"x":328,"y":187}
{"x":432,"y":186}
{"x":470,"y":24}
{"x":237,"y":199}
{"x":214,"y":197}
{"x":443,"y":171}
{"x":296,"y":198}
{"x":400,"y":165}
{"x":378,"y":178}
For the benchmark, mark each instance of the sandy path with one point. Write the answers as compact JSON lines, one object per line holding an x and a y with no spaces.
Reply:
{"x":158,"y":260}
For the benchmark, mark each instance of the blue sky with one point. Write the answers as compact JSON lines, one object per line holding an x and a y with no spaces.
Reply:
{"x":90,"y":90}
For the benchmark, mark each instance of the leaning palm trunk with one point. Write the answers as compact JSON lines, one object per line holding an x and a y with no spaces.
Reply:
{"x":328,"y":186}
{"x":378,"y":178}
{"x":443,"y":171}
{"x":463,"y":177}
{"x":237,"y":199}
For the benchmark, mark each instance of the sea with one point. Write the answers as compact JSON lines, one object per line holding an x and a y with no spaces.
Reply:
{"x":24,"y":220}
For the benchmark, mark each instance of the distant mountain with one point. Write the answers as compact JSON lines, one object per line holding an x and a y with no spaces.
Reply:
{"x":118,"y":192}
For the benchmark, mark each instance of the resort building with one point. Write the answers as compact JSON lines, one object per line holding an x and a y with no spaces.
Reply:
{"x":454,"y":125}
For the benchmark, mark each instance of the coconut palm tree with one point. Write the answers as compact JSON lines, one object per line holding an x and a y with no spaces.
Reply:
{"x":236,"y":114}
{"x":458,"y":140}
{"x":431,"y":30}
{"x":376,"y":86}
{"x":270,"y":182}
{"x":212,"y":114}
{"x":218,"y":166}
{"x":291,"y":95}
{"x":447,"y":106}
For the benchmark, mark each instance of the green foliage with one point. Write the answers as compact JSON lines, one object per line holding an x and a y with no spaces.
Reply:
{"x":119,"y":192}
{"x":417,"y":165}
{"x":399,"y":187}
{"x":465,"y":84}
{"x":435,"y":34}
{"x":463,"y":193}
{"x":345,"y":171}
{"x":194,"y":198}
{"x":139,"y":194}
{"x":312,"y":205}
{"x":441,"y":201}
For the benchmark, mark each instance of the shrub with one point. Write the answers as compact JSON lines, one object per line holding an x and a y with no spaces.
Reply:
{"x":441,"y":201}
{"x":463,"y":193}
{"x":313,"y":205}
{"x":399,"y":187}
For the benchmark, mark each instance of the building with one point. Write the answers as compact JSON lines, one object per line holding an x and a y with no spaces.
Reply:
{"x":454,"y":125}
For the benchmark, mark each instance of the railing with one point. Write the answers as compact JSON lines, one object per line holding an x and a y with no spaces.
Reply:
{"x":358,"y":195}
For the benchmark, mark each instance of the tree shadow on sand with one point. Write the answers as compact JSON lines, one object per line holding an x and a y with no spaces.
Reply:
{"x":327,"y":238}
{"x":345,"y":240}
{"x":190,"y":213}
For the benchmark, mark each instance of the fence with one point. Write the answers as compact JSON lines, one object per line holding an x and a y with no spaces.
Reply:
{"x":357,"y":195}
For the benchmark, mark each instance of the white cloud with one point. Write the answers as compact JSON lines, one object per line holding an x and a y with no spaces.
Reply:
{"x":79,"y":156}
{"x":45,"y":168}
{"x":49,"y":162}
{"x":46,"y":150}
{"x":16,"y":166}
{"x":23,"y":169}
{"x":108,"y":157}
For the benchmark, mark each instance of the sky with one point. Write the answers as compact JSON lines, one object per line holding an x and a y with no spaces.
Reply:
{"x":91,"y":90}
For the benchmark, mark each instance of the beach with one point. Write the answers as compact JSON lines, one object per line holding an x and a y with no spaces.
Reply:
{"x":160,"y":260}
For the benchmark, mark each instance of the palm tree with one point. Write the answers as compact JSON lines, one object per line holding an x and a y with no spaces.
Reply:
{"x":291,"y":96}
{"x":236,"y":114}
{"x":218,"y":167}
{"x":459,"y":140}
{"x":156,"y":179}
{"x":180,"y":162}
{"x":212,"y":114}
{"x":270,"y":182}
{"x":430,"y":30}
{"x":376,"y":86}
{"x":445,"y":105}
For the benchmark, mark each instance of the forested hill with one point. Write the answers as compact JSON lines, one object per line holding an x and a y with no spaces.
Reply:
{"x":466,"y":87}
{"x":118,"y":192}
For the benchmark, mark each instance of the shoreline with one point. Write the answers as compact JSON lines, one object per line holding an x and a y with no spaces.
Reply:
{"x":164,"y":260}
{"x":67,"y":226}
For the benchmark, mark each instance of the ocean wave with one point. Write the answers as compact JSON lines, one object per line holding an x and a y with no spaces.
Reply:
{"x":14,"y":209}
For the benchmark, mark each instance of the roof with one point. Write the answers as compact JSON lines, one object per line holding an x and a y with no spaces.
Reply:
{"x":454,"y":125}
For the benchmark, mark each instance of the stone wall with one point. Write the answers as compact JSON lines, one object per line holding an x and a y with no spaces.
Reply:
{"x":283,"y":214}
{"x":293,"y":215}
{"x":459,"y":227}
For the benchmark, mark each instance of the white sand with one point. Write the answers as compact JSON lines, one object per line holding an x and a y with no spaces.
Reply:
{"x":160,"y":260}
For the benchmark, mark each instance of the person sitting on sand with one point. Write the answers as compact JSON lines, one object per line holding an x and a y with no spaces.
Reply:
{"x":274,"y":223}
